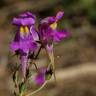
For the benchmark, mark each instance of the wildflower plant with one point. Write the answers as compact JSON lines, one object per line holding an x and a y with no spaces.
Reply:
{"x":27,"y":45}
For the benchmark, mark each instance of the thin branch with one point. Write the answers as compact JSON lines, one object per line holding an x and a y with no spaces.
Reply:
{"x":34,"y":92}
{"x":38,"y":52}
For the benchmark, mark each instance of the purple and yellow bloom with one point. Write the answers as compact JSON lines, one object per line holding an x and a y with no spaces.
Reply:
{"x":25,"y":38}
{"x":48,"y":29}
{"x":49,"y":33}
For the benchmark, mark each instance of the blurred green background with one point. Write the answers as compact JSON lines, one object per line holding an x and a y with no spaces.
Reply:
{"x":75,"y":57}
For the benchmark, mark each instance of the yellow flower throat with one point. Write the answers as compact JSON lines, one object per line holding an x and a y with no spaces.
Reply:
{"x":54,"y":25}
{"x":24,"y":30}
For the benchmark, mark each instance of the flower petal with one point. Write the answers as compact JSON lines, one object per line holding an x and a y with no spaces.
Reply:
{"x":33,"y":46}
{"x":39,"y":78}
{"x":59,"y":15}
{"x":23,"y":21}
{"x":57,"y":36}
{"x":34,"y":34}
{"x":14,"y":46}
{"x":48,"y":20}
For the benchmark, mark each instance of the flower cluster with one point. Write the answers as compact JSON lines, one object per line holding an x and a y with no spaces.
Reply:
{"x":29,"y":41}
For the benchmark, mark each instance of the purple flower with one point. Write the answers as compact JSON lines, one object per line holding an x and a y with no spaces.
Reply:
{"x":49,"y":33}
{"x":43,"y":75}
{"x":25,"y":38}
{"x":39,"y":78}
{"x":48,"y":29}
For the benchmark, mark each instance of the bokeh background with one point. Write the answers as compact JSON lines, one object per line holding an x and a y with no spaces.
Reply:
{"x":75,"y":57}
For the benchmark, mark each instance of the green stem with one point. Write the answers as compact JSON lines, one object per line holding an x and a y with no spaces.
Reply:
{"x":51,"y":58}
{"x":30,"y":94}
